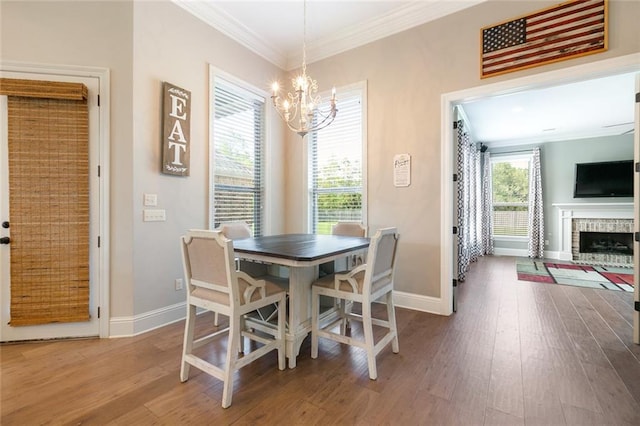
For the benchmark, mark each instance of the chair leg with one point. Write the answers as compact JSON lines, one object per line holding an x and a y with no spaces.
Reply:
{"x":216,"y":321}
{"x":367,"y":325}
{"x":232,"y":356}
{"x":282,"y":313}
{"x":187,"y":345}
{"x":315,"y":311}
{"x":241,"y":339}
{"x":342,"y":310}
{"x":393,"y":328}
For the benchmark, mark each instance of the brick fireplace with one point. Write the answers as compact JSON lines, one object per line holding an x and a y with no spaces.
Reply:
{"x":597,"y":233}
{"x":602,"y":241}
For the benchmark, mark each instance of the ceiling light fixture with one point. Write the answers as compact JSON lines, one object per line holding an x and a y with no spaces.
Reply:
{"x":300,"y":109}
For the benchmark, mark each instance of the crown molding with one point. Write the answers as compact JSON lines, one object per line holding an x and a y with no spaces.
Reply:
{"x":400,"y":19}
{"x":234,"y":29}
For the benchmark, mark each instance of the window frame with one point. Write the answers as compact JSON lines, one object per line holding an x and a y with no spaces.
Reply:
{"x":216,"y":74}
{"x":507,"y":158}
{"x":360,"y":87}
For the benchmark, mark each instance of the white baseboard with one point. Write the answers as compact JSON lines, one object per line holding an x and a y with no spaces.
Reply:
{"x":553,"y":255}
{"x":524,"y":253}
{"x":499,"y":251}
{"x":416,"y":302}
{"x":138,"y":324}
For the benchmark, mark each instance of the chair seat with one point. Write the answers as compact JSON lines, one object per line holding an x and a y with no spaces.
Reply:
{"x":223,"y":298}
{"x":328,"y":282}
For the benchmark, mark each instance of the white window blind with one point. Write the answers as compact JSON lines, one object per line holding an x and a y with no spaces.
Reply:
{"x":238,"y":144}
{"x":336,"y":167}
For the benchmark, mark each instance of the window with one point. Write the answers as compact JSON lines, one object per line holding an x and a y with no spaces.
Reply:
{"x":510,"y":186}
{"x":238,"y":139}
{"x":336,"y":165}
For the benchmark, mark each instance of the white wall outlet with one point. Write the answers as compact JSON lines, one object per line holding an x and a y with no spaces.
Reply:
{"x":154,"y":215}
{"x":178,"y":284}
{"x":150,"y":200}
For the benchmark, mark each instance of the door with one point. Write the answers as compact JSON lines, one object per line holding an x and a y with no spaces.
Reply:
{"x":45,"y":249}
{"x":636,"y":198}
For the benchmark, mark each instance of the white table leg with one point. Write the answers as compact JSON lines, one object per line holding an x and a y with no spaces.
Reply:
{"x":300,"y":280}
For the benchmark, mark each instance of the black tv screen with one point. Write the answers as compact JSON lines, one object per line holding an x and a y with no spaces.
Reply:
{"x":604,"y":179}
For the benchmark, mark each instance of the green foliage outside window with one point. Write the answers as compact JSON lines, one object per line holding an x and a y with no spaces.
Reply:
{"x":510,"y":182}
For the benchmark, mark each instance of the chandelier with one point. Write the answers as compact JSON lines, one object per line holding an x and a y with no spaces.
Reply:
{"x":300,"y":109}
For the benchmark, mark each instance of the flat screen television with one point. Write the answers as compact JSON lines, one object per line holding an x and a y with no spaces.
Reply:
{"x":604,"y":179}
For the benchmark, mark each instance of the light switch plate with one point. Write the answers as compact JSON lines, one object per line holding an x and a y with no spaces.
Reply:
{"x":150,"y":200}
{"x":154,"y":215}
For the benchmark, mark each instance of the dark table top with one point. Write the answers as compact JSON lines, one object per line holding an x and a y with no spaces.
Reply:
{"x":300,"y":247}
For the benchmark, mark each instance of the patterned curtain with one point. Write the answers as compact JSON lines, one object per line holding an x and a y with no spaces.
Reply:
{"x":536,"y":214}
{"x":468,"y":201}
{"x":486,"y":217}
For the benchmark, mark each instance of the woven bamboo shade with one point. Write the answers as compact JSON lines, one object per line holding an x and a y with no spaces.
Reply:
{"x":43,"y":89}
{"x":49,"y":209}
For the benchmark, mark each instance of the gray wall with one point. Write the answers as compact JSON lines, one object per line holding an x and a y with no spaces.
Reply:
{"x":557,"y":161}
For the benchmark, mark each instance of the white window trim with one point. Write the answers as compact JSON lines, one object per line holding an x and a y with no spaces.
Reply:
{"x":268,"y":182}
{"x":362,"y":87}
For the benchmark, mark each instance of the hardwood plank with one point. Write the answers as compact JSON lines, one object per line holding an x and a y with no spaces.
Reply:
{"x":613,"y":396}
{"x":628,"y":368}
{"x":514,"y":353}
{"x":495,"y":417}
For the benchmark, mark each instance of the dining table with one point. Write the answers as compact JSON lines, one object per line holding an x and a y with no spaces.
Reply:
{"x":301,"y":254}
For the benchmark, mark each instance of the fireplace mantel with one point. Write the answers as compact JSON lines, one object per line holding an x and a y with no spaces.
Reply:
{"x":570,"y":211}
{"x":627,"y":207}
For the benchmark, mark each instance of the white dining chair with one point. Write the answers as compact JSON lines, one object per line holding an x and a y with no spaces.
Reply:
{"x":214,"y":284}
{"x":351,"y":229}
{"x":365,"y":284}
{"x":235,"y":230}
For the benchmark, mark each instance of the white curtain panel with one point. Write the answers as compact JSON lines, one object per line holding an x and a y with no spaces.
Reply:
{"x":469,"y":203}
{"x":486,"y":216}
{"x":536,"y":213}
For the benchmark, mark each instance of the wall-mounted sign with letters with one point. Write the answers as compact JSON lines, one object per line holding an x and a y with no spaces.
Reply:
{"x":176,"y":118}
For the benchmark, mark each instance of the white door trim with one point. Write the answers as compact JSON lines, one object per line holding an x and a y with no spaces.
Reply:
{"x":103,"y":75}
{"x":620,"y":64}
{"x":636,"y":215}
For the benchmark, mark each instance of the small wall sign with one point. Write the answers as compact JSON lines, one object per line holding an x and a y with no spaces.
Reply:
{"x":176,"y":130}
{"x":402,"y":170}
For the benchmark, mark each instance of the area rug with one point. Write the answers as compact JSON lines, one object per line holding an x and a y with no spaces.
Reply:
{"x":602,"y":277}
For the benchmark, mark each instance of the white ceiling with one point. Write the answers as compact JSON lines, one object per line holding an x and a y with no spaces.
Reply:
{"x":274,"y":30}
{"x":593,"y":108}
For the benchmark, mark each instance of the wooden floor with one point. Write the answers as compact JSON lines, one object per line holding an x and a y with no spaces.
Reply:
{"x":515,"y":353}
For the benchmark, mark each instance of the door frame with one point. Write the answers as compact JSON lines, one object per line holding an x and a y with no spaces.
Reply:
{"x":636,"y":215}
{"x":588,"y":71}
{"x":103,"y":261}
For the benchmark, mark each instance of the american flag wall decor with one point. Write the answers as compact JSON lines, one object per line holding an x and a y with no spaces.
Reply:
{"x":568,"y":30}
